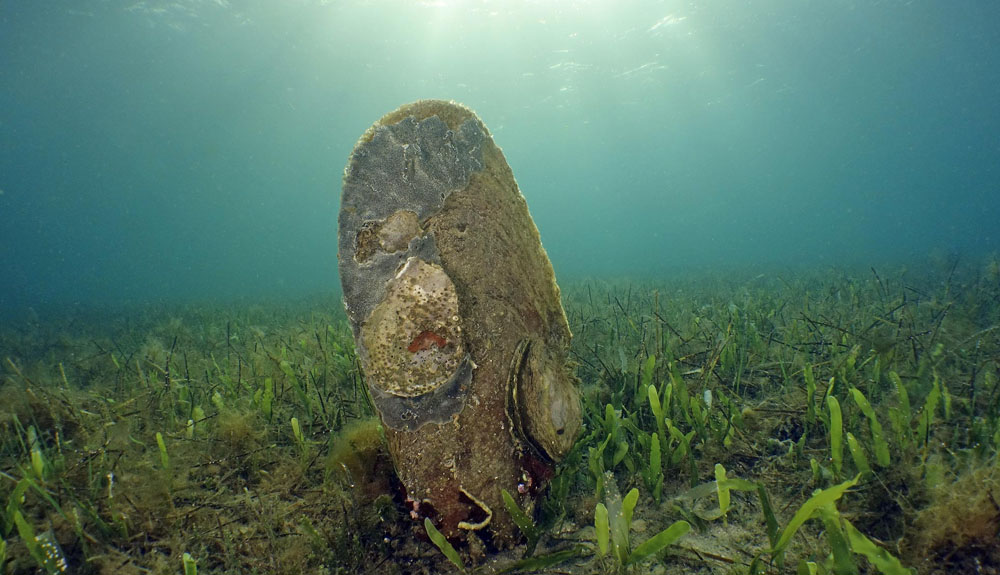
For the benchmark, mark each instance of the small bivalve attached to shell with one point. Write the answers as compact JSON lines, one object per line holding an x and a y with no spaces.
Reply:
{"x":413,"y":337}
{"x":544,"y":404}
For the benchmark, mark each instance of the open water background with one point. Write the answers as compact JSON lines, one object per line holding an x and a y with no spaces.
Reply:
{"x":192,"y":150}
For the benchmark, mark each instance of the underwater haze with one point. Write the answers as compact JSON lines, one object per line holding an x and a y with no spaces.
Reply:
{"x":774,"y":346}
{"x":193,"y":150}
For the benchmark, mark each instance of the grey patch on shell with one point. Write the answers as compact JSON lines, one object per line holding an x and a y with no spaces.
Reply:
{"x":411,"y":166}
{"x":360,"y":302}
{"x":437,"y":406}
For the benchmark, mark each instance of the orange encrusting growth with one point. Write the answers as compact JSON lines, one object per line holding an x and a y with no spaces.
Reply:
{"x":425,"y":340}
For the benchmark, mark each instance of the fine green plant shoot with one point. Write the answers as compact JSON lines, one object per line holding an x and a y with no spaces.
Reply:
{"x":443,"y":544}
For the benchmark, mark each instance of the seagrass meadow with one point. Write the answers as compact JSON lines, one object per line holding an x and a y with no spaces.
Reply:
{"x":810,"y":420}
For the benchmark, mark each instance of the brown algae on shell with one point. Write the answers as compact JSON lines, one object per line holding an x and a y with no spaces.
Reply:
{"x":413,"y":337}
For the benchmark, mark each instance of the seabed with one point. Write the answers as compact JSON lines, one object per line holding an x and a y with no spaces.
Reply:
{"x":829,"y":420}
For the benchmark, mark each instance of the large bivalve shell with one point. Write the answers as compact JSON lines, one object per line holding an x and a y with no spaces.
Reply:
{"x":445,"y":280}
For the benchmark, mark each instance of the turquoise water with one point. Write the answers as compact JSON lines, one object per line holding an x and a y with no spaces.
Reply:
{"x":193,"y":150}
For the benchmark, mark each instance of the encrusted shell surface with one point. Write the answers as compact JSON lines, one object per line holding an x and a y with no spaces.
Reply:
{"x":390,"y":235}
{"x":413,"y":337}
